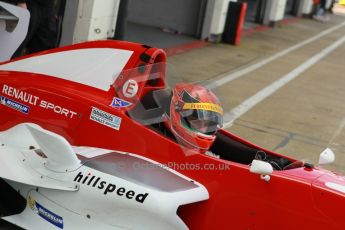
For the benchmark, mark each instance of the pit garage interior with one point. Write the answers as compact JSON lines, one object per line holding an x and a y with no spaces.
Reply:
{"x":168,"y":23}
{"x":255,"y":12}
{"x":175,"y":22}
{"x":164,"y":23}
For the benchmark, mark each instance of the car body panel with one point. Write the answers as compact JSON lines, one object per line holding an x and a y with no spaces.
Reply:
{"x":238,"y":199}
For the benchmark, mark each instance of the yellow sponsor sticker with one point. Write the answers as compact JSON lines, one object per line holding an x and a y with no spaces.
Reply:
{"x":204,"y":106}
{"x":31,"y":202}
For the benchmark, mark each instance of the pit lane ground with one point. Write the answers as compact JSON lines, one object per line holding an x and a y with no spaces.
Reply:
{"x":283,"y":88}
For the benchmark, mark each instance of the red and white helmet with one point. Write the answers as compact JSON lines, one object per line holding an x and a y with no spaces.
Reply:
{"x":195,"y":116}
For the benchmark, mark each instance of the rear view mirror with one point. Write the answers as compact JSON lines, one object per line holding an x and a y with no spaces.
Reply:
{"x":326,"y":157}
{"x":14,"y":23}
{"x":263,"y":168}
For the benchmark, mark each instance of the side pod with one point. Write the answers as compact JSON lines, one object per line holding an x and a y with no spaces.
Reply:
{"x":24,"y":166}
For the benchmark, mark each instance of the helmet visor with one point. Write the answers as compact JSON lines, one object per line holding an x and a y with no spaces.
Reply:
{"x":203,"y":121}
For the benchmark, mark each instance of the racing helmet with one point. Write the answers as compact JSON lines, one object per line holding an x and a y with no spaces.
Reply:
{"x":195,"y":116}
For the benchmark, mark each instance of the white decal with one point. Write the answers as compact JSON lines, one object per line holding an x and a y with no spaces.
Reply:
{"x":34,"y":100}
{"x":335,"y":186}
{"x":105,"y":118}
{"x":57,"y":109}
{"x":130,"y":88}
{"x":18,"y":94}
{"x":78,"y":65}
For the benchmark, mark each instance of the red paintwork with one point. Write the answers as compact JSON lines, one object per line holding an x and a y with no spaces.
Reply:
{"x":240,"y":22}
{"x":292,"y":199}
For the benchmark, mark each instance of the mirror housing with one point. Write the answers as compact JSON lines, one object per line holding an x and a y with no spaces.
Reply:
{"x":263,"y":168}
{"x":326,"y":157}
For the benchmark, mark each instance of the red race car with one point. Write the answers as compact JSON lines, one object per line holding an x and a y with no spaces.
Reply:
{"x":115,"y":96}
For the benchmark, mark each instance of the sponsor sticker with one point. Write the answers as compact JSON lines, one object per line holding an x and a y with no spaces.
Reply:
{"x":108,"y":188}
{"x":105,"y":118}
{"x":119,"y":103}
{"x":46,"y":214}
{"x":14,"y":105}
{"x":130,"y":88}
{"x":204,"y":106}
{"x":31,"y":100}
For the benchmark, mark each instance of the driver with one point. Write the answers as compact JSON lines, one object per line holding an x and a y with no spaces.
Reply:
{"x":195,"y":116}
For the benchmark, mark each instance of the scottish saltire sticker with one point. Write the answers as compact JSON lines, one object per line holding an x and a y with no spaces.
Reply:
{"x":46,"y":214}
{"x":119,"y":103}
{"x":14,"y":105}
{"x":105,"y":118}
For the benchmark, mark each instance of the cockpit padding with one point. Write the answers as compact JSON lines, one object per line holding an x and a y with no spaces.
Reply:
{"x":232,"y":150}
{"x":151,"y":110}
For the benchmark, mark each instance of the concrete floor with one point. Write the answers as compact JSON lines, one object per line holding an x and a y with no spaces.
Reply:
{"x":301,"y":118}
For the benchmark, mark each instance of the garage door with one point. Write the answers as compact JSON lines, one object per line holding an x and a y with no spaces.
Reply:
{"x":255,"y":10}
{"x":181,"y":16}
{"x":290,"y":7}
